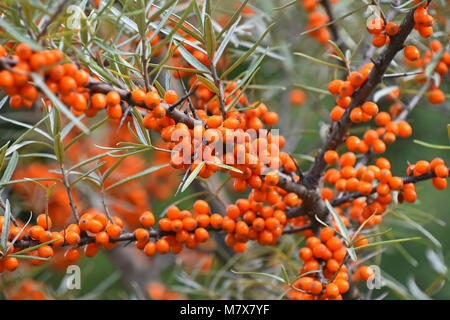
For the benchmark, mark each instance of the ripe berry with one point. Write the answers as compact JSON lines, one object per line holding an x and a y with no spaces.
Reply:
{"x":412,"y":53}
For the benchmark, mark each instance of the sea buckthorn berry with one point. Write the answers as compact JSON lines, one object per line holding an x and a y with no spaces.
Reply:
{"x":201,"y":207}
{"x":346,"y":89}
{"x":305,"y":254}
{"x":391,"y":29}
{"x":152,"y":99}
{"x":404,"y":129}
{"x":115,"y":112}
{"x":315,"y":287}
{"x":439,"y":183}
{"x":379,"y":40}
{"x":336,"y":113}
{"x":67,"y":84}
{"x":201,"y":235}
{"x":334,"y":86}
{"x":72,"y":238}
{"x":72,"y":254}
{"x":441,"y":171}
{"x":162,"y":246}
{"x":356,"y":115}
{"x":375,"y":26}
{"x":382,"y":119}
{"x":113,"y":230}
{"x":331,"y":157}
{"x":11,"y":263}
{"x":216,"y":221}
{"x":150,"y":248}
{"x":173,"y":212}
{"x":98,"y":101}
{"x":170,"y":97}
{"x":112,"y":98}
{"x":81,"y":78}
{"x":147,"y":219}
{"x":436,"y":96}
{"x":42,"y":220}
{"x":141,"y":234}
{"x":138,"y":95}
{"x":326,"y":234}
{"x":271,"y":178}
{"x":395,"y":183}
{"x":366,"y":272}
{"x":233,"y":211}
{"x":356,"y":79}
{"x":412,"y":53}
{"x":102,"y":238}
{"x":370,"y":108}
{"x":422,"y":167}
{"x":23,"y":51}
{"x":332,"y":290}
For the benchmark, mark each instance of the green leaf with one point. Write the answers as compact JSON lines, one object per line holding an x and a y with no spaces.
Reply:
{"x":382,"y":243}
{"x":19,"y":233}
{"x":286,"y":5}
{"x":87,"y":173}
{"x":138,"y":175}
{"x":208,"y":83}
{"x":225,"y":166}
{"x":3,"y":154}
{"x":25,"y":257}
{"x":225,"y":42}
{"x":10,"y":168}
{"x":312,"y":89}
{"x":192,"y":176}
{"x":59,"y":148}
{"x":5,"y":229}
{"x":431,"y":145}
{"x":34,"y":248}
{"x":140,"y":128}
{"x":342,"y":229}
{"x":338,"y":51}
{"x":284,"y":274}
{"x":260,"y":274}
{"x":29,"y":127}
{"x":192,"y":60}
{"x":210,"y":37}
{"x":328,"y":64}
{"x":248,"y":53}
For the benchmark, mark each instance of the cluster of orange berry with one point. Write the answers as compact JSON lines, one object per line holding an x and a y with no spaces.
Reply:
{"x":26,"y":290}
{"x":383,"y":31}
{"x":317,"y":19}
{"x":182,"y":227}
{"x":412,"y":55}
{"x":323,"y":258}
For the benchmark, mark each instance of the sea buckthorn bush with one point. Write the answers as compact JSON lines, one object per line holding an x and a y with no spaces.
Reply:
{"x":208,"y":149}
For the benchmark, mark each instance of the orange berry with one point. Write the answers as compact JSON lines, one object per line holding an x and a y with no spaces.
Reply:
{"x":391,"y":29}
{"x":112,"y":98}
{"x":201,"y":207}
{"x":147,"y":219}
{"x":138,"y":96}
{"x":332,"y":290}
{"x":366,"y":272}
{"x":72,"y":254}
{"x":170,"y":97}
{"x":412,"y":53}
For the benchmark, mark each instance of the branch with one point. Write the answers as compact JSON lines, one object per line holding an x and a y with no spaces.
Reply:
{"x":340,"y":129}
